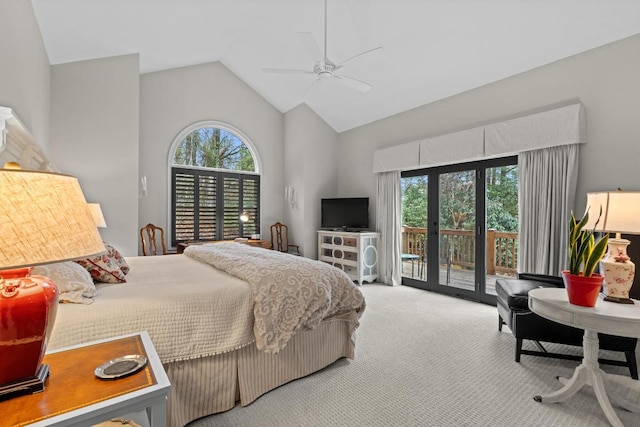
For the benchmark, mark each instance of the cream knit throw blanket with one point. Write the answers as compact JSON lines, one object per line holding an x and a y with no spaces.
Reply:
{"x":289,"y":292}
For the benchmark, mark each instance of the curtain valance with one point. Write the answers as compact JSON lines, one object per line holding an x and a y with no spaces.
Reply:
{"x":561,"y":126}
{"x":399,"y":157}
{"x":457,"y":147}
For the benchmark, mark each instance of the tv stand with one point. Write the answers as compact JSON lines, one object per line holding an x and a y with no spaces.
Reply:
{"x":355,"y":253}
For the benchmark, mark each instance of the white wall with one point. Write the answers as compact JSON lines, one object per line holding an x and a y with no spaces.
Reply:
{"x":294,"y":175}
{"x":94,"y":125}
{"x":311,"y":158}
{"x":604,"y":79}
{"x":24,"y":68}
{"x":172,"y":100}
{"x":94,"y":136}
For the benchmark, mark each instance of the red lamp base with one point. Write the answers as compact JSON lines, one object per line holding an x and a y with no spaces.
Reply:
{"x":28,"y":306}
{"x":29,"y":385}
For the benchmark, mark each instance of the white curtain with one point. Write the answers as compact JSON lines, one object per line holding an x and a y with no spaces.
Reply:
{"x":388,"y":220}
{"x":548,"y":180}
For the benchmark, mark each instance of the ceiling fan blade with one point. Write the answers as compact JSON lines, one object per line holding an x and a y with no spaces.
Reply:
{"x":286,"y":71}
{"x":304,"y":95}
{"x":356,"y":84}
{"x":377,"y":50}
{"x":310,"y":45}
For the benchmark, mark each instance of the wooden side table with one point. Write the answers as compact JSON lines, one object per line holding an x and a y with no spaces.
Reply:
{"x":75,"y":397}
{"x":259,"y":243}
{"x":180,"y":247}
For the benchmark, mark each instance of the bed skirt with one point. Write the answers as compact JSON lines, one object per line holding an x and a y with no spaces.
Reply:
{"x":206,"y":386}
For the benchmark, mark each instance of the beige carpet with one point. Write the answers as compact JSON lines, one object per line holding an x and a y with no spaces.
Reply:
{"x":424,"y":359}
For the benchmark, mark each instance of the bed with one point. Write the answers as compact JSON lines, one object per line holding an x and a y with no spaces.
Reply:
{"x":230,"y":322}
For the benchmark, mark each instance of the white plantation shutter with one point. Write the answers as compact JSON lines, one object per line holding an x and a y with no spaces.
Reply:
{"x":207,"y":204}
{"x":207,"y":214}
{"x":183,"y":206}
{"x":250,"y":203}
{"x":231,"y":206}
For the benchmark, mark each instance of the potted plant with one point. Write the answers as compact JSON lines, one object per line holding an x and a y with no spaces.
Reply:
{"x":583,"y":285}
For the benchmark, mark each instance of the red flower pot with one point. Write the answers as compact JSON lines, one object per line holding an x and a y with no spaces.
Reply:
{"x":582,"y":290}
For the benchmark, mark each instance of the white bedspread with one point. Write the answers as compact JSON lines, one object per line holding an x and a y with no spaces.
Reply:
{"x":190,"y":309}
{"x":289,"y":292}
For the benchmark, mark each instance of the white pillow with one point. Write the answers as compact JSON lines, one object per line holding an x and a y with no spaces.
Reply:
{"x":73,"y":281}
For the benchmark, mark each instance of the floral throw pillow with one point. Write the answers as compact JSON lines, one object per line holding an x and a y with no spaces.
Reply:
{"x":117,"y":258}
{"x":103,"y":269}
{"x":74,"y":282}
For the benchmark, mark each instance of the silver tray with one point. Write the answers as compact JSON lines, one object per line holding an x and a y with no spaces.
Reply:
{"x":120,"y":367}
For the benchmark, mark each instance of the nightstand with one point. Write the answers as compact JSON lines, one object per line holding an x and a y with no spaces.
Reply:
{"x":75,"y":397}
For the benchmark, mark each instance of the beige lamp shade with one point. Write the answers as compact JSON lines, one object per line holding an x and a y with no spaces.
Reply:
{"x":619,"y":212}
{"x":96,"y":213}
{"x":44,"y":218}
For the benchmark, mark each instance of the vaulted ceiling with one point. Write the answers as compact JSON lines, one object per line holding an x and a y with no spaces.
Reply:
{"x":432,"y":49}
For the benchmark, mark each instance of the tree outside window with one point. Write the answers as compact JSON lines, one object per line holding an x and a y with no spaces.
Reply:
{"x":214,"y":148}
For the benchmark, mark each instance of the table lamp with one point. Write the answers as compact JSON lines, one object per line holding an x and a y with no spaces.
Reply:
{"x":44,"y":218}
{"x":619,"y":215}
{"x":96,"y":213}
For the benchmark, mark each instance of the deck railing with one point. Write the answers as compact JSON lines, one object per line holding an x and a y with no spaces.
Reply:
{"x":459,"y":247}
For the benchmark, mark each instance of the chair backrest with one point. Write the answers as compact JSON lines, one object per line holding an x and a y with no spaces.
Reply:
{"x":280,"y":237}
{"x":150,"y":235}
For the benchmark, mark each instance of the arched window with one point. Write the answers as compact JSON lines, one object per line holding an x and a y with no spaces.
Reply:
{"x":214,"y":181}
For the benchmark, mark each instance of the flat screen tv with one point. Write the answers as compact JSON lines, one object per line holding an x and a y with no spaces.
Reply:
{"x":345,"y":213}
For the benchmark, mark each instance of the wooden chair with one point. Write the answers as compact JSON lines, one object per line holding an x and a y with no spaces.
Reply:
{"x":149,"y":235}
{"x":280,"y":239}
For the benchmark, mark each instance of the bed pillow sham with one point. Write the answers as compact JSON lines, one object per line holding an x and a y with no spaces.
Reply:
{"x":117,"y":258}
{"x":74,"y":282}
{"x":103,"y":269}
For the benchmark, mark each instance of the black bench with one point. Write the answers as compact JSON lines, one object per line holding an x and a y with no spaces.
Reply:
{"x":513,"y":310}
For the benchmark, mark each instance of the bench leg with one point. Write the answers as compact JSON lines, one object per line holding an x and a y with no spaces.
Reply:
{"x":631,"y":361}
{"x":518,"y":349}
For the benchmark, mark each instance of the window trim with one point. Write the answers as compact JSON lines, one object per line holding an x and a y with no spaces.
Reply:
{"x":257,"y":161}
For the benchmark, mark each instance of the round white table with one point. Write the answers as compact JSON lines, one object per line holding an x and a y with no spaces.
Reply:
{"x":605,"y":317}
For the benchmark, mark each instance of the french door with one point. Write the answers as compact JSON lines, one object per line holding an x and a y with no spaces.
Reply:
{"x":459,"y":229}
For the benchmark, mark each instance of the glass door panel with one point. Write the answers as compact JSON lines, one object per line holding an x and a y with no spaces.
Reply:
{"x":501,"y":224}
{"x":472,"y":237}
{"x":457,"y":225}
{"x":414,"y":226}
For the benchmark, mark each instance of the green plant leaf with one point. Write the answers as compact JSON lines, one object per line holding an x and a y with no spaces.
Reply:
{"x":596,"y":255}
{"x":584,"y":251}
{"x":583,"y":221}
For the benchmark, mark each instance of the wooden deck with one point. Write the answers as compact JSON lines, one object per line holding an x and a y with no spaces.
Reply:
{"x":459,"y":277}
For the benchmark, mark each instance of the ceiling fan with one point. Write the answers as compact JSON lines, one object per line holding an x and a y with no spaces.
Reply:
{"x":324,"y":68}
